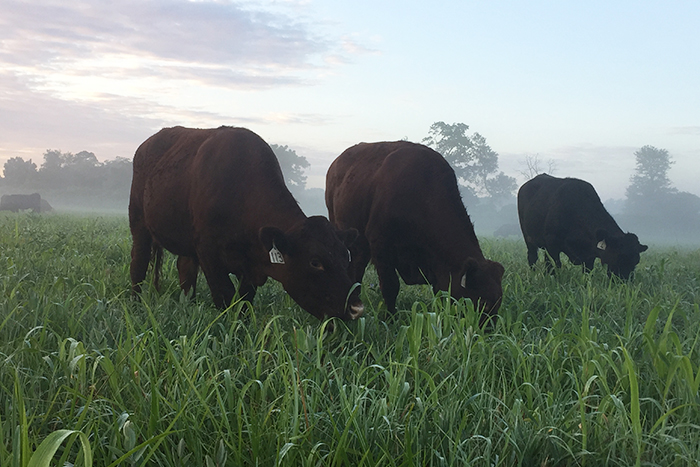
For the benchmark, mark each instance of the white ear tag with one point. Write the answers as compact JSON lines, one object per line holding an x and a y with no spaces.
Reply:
{"x":601,"y":245}
{"x":349,"y":257}
{"x":275,"y":255}
{"x":464,"y":281}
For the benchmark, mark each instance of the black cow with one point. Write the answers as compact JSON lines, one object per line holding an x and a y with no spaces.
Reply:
{"x":506,"y":230}
{"x":16,"y":203}
{"x":565,"y":215}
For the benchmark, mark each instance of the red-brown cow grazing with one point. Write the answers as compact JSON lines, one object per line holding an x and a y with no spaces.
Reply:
{"x":403,"y":199}
{"x":217,"y":199}
{"x":566,"y":215}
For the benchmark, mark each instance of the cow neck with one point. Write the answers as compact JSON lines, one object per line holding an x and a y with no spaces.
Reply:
{"x":456,"y":237}
{"x":591,"y":212}
{"x":598,"y":217}
{"x":286,"y":215}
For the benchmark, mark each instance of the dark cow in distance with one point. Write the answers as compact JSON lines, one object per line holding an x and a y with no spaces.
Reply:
{"x":16,"y":203}
{"x":565,"y":215}
{"x":507,"y":230}
{"x":45,"y":206}
{"x":403,"y":199}
{"x":216,"y":198}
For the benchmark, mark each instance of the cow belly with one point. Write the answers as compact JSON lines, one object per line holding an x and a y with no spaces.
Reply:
{"x":168,"y":220}
{"x":412,"y":266}
{"x":412,"y":274}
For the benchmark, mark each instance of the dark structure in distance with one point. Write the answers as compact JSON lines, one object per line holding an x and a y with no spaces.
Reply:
{"x":403,"y":199}
{"x":565,"y":215}
{"x":507,"y":230}
{"x":16,"y":203}
{"x":217,"y":199}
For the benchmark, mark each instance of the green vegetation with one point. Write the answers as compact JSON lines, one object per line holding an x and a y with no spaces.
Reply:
{"x":580,"y":369}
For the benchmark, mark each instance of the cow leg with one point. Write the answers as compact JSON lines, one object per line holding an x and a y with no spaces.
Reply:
{"x":187,"y":268}
{"x":216,"y":273}
{"x":586,"y":263}
{"x":140,"y":257}
{"x":577,"y":248}
{"x":388,"y":283}
{"x":554,"y":248}
{"x":360,"y":251}
{"x":553,"y":259}
{"x":246,"y":289}
{"x":531,"y":254}
{"x":222,"y":289}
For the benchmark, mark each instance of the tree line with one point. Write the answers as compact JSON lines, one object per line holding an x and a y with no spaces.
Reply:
{"x":81,"y":180}
{"x":651,"y":204}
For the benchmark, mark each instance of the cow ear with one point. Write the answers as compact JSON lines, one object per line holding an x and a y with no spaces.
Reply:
{"x":643,"y":248}
{"x":274,"y":238}
{"x":500,"y":270}
{"x":469,"y":268}
{"x":348,"y":236}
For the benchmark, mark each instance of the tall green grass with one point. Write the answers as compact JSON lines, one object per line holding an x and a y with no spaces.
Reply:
{"x":580,"y":369}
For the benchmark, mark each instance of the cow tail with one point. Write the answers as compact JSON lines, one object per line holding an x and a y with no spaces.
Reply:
{"x":157,"y":257}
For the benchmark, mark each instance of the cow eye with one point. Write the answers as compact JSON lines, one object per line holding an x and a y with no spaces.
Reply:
{"x":316,"y":264}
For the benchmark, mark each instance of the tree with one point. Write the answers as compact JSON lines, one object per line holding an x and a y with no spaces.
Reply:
{"x":485,"y":159}
{"x":68,"y":170}
{"x":654,"y":204}
{"x":474,"y":162}
{"x":117,"y":174}
{"x":501,"y":188}
{"x":52,"y":172}
{"x":533,"y":167}
{"x":453,"y":143}
{"x":293,"y":166}
{"x":651,"y":174}
{"x":53,"y":161}
{"x":19,"y":172}
{"x":83,"y":159}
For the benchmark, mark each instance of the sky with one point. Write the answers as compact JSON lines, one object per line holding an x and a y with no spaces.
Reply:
{"x":580,"y":85}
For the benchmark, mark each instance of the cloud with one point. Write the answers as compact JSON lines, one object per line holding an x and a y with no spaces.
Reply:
{"x":299,"y":118}
{"x":103,"y":76}
{"x":216,"y":42}
{"x":353,"y":47}
{"x":686,"y":130}
{"x":31,"y":122}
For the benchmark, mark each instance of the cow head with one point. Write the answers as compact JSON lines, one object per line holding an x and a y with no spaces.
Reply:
{"x":620,"y":253}
{"x":311,"y":261}
{"x":480,"y":281}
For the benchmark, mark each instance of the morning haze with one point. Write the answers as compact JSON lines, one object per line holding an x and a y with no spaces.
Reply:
{"x":584,"y":86}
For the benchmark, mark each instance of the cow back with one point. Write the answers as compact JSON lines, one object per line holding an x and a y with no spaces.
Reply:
{"x":404,"y":184}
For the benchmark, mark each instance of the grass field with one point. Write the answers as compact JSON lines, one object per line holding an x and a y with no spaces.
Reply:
{"x":580,"y":369}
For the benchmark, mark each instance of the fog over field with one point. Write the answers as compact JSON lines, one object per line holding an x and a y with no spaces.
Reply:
{"x":579,"y":88}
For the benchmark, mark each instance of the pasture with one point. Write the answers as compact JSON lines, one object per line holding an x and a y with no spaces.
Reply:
{"x":580,"y":369}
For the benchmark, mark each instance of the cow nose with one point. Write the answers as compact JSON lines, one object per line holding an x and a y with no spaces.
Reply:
{"x":356,"y":311}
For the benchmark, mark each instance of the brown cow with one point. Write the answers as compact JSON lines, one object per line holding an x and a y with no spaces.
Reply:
{"x":217,"y":199}
{"x":403,"y":199}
